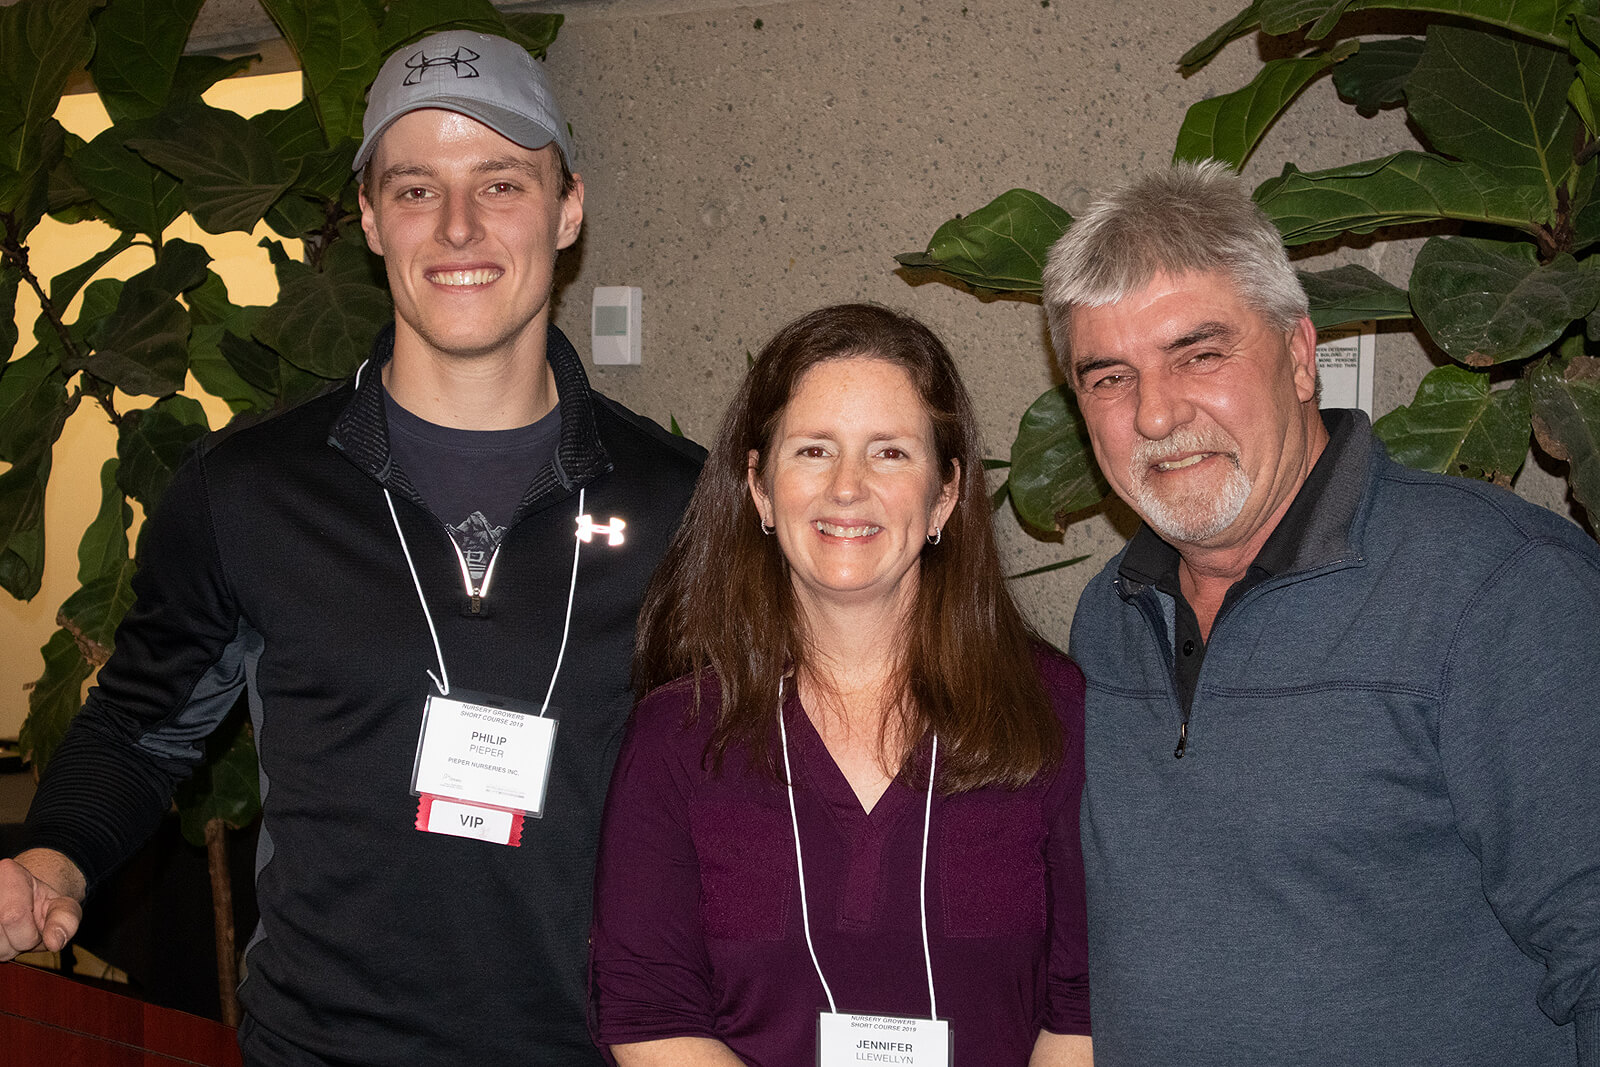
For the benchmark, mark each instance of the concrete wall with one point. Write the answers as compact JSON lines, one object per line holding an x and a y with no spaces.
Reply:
{"x":748,"y":162}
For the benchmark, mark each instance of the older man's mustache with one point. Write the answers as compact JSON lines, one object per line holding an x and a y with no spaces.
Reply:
{"x":1181,"y":443}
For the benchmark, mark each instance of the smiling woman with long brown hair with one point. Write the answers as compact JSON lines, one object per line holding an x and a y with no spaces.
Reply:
{"x":853,"y":787}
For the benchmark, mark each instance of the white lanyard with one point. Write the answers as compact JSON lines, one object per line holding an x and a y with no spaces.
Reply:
{"x":922,"y":889}
{"x":442,"y":679}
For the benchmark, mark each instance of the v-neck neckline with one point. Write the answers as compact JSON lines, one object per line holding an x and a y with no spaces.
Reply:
{"x":822,"y":773}
{"x":864,"y":834}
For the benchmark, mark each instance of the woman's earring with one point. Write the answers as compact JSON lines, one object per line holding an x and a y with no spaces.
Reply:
{"x":934,"y":537}
{"x":764,"y":527}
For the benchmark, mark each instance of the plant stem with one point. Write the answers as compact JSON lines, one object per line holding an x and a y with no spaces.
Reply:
{"x":17,"y":252}
{"x":102,"y":393}
{"x":14,"y":250}
{"x":317,"y":244}
{"x":222,"y":920}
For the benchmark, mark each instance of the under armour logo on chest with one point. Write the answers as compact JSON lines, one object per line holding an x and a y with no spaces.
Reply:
{"x":587,"y":528}
{"x":460,"y":61}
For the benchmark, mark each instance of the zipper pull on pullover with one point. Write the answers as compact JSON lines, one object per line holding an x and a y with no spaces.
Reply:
{"x":477,"y":595}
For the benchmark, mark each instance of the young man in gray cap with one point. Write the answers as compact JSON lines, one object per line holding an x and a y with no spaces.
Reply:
{"x":427,"y":582}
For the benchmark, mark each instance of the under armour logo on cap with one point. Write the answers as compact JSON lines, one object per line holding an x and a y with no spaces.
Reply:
{"x":419,"y":63}
{"x":587,"y":528}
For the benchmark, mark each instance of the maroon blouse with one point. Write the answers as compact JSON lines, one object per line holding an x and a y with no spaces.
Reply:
{"x":697,"y":928}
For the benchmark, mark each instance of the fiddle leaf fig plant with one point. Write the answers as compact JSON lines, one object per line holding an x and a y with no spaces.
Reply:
{"x":134,"y":348}
{"x":1505,"y":100}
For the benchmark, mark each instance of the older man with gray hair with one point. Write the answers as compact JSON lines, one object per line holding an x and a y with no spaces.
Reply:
{"x":1341,"y":802}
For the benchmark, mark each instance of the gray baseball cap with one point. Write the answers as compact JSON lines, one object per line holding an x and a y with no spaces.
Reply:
{"x":481,"y":76}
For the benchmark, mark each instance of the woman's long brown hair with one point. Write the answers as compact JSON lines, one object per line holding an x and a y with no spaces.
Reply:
{"x":721,"y":605}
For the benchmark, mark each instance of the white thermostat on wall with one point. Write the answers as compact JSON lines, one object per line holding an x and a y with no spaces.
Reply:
{"x":614,"y":324}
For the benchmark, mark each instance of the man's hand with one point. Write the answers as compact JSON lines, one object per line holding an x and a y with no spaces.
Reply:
{"x":40,"y":902}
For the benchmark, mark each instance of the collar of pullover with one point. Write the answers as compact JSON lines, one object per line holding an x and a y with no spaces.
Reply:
{"x":361,"y":431}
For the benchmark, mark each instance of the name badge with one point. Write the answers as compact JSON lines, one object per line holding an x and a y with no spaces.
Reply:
{"x":482,"y":763}
{"x":857,"y":1039}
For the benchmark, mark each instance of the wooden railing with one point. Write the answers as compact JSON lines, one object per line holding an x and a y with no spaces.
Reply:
{"x":49,"y":1019}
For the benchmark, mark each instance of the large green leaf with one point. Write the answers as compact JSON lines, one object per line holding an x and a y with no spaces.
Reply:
{"x":1566,"y":418}
{"x":137,"y":195}
{"x":1352,"y":293}
{"x":1584,"y":44}
{"x":534,"y":30}
{"x":217,"y":374}
{"x":336,"y":42}
{"x":196,"y":74}
{"x":1246,"y":21}
{"x":1486,"y":302}
{"x":41,"y":43}
{"x":209,"y":303}
{"x":322,"y":172}
{"x":293,"y":131}
{"x":1397,"y":190}
{"x":22,"y":555}
{"x":99,"y":301}
{"x":65,"y":286}
{"x":227,"y":786}
{"x":350,"y":260}
{"x":213,"y":317}
{"x":323,"y":322}
{"x":92,"y":613}
{"x":297,"y":217}
{"x":105,"y":543}
{"x":1053,"y":472}
{"x":67,"y":200}
{"x":1000,"y":247}
{"x":1541,"y":20}
{"x":25,"y":192}
{"x":54,"y":699}
{"x":152,"y":444}
{"x":33,"y":394}
{"x":143,"y":346}
{"x":140,"y":43}
{"x":409,"y":20}
{"x":1229,"y":127}
{"x":22,"y":490}
{"x":1458,"y":425}
{"x":1496,"y":102}
{"x":1586,"y":224}
{"x":10,"y":282}
{"x":34,"y":406}
{"x":1375,"y":77}
{"x":181,"y":266}
{"x":255,"y":364}
{"x":1578,"y":223}
{"x":295,"y":385}
{"x":230,"y":173}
